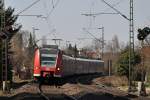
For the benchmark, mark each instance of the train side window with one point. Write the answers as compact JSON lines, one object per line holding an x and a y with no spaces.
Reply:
{"x":90,"y":63}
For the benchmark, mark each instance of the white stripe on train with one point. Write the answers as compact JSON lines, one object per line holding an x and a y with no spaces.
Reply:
{"x":36,"y":74}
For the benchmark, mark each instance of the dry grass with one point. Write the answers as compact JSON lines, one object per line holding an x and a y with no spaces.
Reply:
{"x":1,"y":93}
{"x":114,"y":81}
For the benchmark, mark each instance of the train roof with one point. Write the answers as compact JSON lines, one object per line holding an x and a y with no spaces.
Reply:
{"x":48,"y":51}
{"x":82,"y":59}
{"x":50,"y":46}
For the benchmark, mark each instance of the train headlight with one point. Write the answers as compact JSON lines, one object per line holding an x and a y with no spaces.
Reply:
{"x":58,"y":68}
{"x":36,"y":68}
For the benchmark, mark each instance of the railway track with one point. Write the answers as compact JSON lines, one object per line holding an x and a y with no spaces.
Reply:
{"x":74,"y":79}
{"x":85,"y":82}
{"x":41,"y":92}
{"x":69,"y":90}
{"x":100,"y":88}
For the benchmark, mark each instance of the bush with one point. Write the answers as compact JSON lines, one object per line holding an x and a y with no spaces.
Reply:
{"x":123,"y":63}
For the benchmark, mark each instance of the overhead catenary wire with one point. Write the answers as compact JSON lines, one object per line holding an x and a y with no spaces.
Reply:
{"x":55,"y":5}
{"x":114,"y":5}
{"x":46,"y":12}
{"x":115,"y":10}
{"x":47,"y":20}
{"x":91,"y":34}
{"x":28,"y":7}
{"x":31,"y":15}
{"x":104,"y":11}
{"x":94,"y":14}
{"x":101,"y":13}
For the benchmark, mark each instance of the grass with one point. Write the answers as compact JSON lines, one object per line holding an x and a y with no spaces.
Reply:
{"x":1,"y":92}
{"x":123,"y":88}
{"x":147,"y":84}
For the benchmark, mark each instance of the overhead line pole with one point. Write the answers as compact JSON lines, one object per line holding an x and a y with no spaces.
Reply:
{"x":131,"y":50}
{"x":102,"y":41}
{"x":131,"y":37}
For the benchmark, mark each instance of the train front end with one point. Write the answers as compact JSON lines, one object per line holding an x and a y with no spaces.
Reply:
{"x":50,"y":61}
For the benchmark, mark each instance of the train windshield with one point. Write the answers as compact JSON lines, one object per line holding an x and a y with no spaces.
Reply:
{"x":48,"y":59}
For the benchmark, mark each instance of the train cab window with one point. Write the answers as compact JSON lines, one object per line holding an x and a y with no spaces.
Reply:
{"x":48,"y":60}
{"x":47,"y":63}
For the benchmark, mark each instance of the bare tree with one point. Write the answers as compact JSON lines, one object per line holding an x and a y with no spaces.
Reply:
{"x":115,"y":44}
{"x":97,"y":46}
{"x":109,"y":47}
{"x":25,"y":39}
{"x":23,"y":45}
{"x":18,"y":52}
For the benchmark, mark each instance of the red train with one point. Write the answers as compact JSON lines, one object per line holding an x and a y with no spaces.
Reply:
{"x":50,"y":62}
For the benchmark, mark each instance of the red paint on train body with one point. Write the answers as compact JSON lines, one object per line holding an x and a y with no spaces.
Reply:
{"x":37,"y":66}
{"x":58,"y":65}
{"x":47,"y":62}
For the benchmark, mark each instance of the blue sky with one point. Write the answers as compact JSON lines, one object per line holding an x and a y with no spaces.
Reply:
{"x":67,"y":23}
